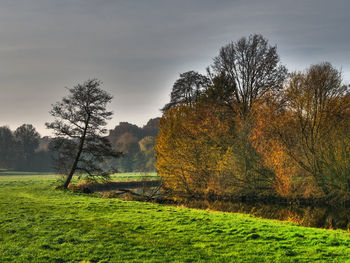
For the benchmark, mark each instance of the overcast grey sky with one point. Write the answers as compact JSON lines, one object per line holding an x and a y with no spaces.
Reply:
{"x":138,"y":48}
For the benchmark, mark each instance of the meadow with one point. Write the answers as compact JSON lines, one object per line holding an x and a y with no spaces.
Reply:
{"x":40,"y":224}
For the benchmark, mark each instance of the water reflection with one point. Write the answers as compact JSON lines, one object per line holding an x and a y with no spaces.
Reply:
{"x":310,"y":216}
{"x":321,"y":217}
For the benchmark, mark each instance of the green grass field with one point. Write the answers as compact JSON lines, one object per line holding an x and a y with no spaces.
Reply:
{"x":40,"y":224}
{"x":134,"y":176}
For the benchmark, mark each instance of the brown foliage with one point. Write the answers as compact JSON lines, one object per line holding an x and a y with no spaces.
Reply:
{"x":249,"y":135}
{"x":304,"y":136}
{"x":189,"y":144}
{"x":203,"y":151}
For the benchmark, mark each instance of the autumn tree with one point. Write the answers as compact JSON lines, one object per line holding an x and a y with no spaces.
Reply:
{"x":268,"y":120}
{"x":253,"y":132}
{"x":222,"y":159}
{"x":81,"y":145}
{"x":304,"y":134}
{"x":316,"y":100}
{"x":188,"y":148}
{"x":246,"y":73}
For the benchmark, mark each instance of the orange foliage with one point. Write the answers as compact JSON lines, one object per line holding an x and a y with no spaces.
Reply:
{"x":189,"y":144}
{"x":295,"y":143}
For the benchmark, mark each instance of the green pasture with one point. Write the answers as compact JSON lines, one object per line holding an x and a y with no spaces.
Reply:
{"x":134,"y":176}
{"x":40,"y":224}
{"x":19,"y":175}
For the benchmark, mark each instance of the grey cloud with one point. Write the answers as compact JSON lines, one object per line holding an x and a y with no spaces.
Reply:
{"x":138,"y":48}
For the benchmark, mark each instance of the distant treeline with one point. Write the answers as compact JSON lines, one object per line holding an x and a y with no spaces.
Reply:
{"x":250,"y":129}
{"x":136,"y":144}
{"x":25,"y":150}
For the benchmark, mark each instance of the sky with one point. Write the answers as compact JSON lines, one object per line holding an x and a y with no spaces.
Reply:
{"x":138,"y":48}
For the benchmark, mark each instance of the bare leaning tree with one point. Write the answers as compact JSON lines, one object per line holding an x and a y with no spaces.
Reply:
{"x":81,"y":146}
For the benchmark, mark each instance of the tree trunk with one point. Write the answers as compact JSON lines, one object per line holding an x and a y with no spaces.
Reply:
{"x":77,"y":157}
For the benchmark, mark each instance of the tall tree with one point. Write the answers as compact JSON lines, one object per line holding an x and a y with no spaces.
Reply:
{"x":305,"y":137}
{"x":186,"y":89}
{"x":251,"y":68}
{"x":318,"y":106}
{"x":79,"y":125}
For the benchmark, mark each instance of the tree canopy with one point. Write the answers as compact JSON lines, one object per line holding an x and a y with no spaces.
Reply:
{"x":250,"y":68}
{"x":187,"y":89}
{"x":258,"y":131}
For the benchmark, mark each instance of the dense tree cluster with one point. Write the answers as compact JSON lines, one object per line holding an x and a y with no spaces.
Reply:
{"x":136,"y":144}
{"x":254,"y":130}
{"x":24,"y":149}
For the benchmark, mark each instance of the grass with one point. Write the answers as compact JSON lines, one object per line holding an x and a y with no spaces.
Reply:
{"x":39,"y":224}
{"x":117,"y":176}
{"x":134,"y":176}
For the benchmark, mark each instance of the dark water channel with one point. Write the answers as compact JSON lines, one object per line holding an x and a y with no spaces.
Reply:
{"x":311,"y":216}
